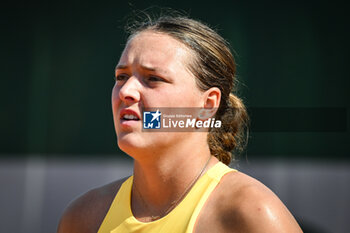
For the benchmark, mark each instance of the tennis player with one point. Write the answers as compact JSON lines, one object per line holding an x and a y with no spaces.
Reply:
{"x":181,"y":181}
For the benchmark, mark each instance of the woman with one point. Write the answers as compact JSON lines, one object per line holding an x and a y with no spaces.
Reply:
{"x":180,"y":181}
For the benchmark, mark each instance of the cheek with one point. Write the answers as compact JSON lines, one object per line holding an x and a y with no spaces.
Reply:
{"x":115,"y":98}
{"x":115,"y":93}
{"x":189,"y":96}
{"x":178,"y":97}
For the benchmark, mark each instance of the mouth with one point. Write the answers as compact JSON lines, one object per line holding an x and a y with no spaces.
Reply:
{"x":129,"y":115}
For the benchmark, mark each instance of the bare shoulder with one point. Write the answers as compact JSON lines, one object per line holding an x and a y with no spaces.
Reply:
{"x":86,"y":213}
{"x":252,"y":207}
{"x":242,"y":204}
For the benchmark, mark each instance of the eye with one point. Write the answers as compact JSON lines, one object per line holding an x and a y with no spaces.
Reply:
{"x":155,"y":79}
{"x":121,"y":77}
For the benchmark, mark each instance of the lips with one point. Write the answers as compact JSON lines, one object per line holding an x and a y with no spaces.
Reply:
{"x":129,"y":115}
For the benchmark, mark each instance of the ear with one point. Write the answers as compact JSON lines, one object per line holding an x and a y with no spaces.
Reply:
{"x":211,"y":103}
{"x":212,"y":98}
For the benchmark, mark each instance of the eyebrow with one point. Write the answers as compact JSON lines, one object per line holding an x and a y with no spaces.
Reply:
{"x":149,"y":68}
{"x":121,"y":67}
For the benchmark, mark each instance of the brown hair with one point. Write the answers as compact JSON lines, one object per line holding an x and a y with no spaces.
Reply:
{"x":214,"y":66}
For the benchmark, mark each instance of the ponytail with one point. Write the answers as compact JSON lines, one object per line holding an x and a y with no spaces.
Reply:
{"x":233,"y":133}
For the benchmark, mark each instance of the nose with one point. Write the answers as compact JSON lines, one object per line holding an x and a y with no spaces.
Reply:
{"x":129,"y":92}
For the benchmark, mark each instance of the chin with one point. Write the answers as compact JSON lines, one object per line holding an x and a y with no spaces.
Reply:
{"x":129,"y":143}
{"x":134,"y":144}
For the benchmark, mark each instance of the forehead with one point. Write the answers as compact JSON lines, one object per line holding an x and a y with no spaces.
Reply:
{"x":155,"y":49}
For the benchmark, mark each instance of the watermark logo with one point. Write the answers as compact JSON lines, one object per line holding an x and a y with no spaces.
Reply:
{"x":152,"y":120}
{"x":179,"y":119}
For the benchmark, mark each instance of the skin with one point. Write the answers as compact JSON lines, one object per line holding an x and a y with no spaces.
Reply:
{"x":152,"y":72}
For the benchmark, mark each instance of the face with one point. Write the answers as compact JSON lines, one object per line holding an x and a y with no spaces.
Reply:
{"x":152,"y":72}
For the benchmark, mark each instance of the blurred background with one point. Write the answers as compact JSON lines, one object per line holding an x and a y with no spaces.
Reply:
{"x":57,"y":134}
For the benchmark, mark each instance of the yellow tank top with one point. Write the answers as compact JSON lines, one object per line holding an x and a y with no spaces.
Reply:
{"x":119,"y":218}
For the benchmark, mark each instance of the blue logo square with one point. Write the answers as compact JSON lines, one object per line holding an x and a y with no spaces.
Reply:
{"x":152,"y":120}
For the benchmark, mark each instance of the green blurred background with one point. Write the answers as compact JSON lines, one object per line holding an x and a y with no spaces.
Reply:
{"x":58,"y":59}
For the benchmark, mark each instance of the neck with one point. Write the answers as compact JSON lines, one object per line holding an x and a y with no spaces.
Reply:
{"x":163,"y":179}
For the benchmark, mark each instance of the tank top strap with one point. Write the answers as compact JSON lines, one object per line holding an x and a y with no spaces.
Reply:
{"x":219,"y":170}
{"x":118,"y":210}
{"x":214,"y":176}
